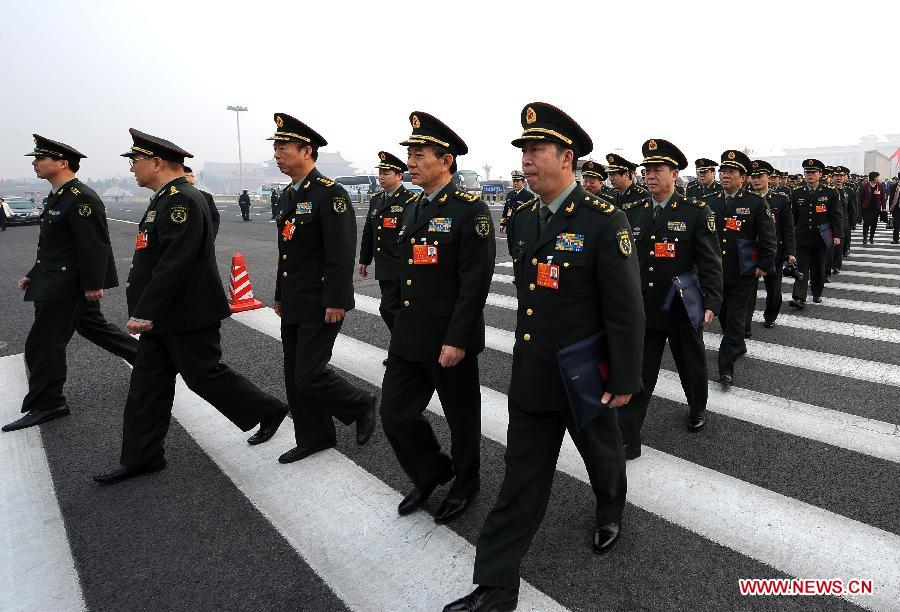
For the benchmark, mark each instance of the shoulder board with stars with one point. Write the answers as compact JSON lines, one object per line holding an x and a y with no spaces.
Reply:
{"x":324,"y":181}
{"x":695,"y":202}
{"x":601,"y":205}
{"x":466,"y":197}
{"x":530,"y":202}
{"x":411,"y":198}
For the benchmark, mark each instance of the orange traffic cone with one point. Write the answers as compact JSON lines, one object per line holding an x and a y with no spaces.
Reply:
{"x":240,"y":291}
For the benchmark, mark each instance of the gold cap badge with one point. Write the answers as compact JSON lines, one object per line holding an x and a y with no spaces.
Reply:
{"x":610,"y":158}
{"x":651,"y":145}
{"x":279,"y":121}
{"x":530,"y":115}
{"x":381,"y":156}
{"x":731,"y":155}
{"x":414,"y":120}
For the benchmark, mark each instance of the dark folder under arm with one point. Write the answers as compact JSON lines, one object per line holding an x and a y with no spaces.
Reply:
{"x":688,"y":287}
{"x":584,"y":367}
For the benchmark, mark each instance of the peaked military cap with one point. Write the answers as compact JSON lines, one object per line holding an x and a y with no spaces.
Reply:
{"x":813,"y":164}
{"x":542,"y":121}
{"x":659,"y":151}
{"x":153,"y":146}
{"x":761,"y":166}
{"x":592,"y":168}
{"x":736,"y":159}
{"x":518,"y":175}
{"x":829,"y":170}
{"x":291,"y":129}
{"x":429,"y":130}
{"x":51,"y":148}
{"x":841,"y":170}
{"x":705,"y":164}
{"x":386,"y":161}
{"x":617,"y":163}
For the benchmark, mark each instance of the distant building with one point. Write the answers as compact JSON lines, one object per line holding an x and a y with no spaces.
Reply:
{"x":225,"y":178}
{"x":853,"y":156}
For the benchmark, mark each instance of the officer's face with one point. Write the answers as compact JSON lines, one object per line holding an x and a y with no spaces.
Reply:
{"x":545,"y":167}
{"x":389,"y":179}
{"x":518,"y":184}
{"x":839,"y":180}
{"x":190,"y":177}
{"x":706,"y":176}
{"x":591,"y":183}
{"x":292,"y":159}
{"x":731,"y":178}
{"x":144,"y":169}
{"x":46,"y":166}
{"x":620,"y":180}
{"x":660,"y":179}
{"x":425,"y":168}
{"x":812,"y":177}
{"x":760,"y":182}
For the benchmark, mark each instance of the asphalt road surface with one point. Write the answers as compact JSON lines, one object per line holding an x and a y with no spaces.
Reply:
{"x":795,"y":475}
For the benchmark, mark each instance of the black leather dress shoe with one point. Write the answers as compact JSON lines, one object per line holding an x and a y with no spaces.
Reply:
{"x":36,"y":417}
{"x":267,"y":429}
{"x":726,"y":379}
{"x":124,"y":473}
{"x":827,"y":280}
{"x":451,"y":507}
{"x":769,"y":324}
{"x":302,"y":452}
{"x":696,"y":423}
{"x":605,"y":536}
{"x":365,"y":423}
{"x":798,"y":304}
{"x":836,"y":271}
{"x":486,"y":599}
{"x":632,"y":451}
{"x":415,"y":498}
{"x":817,"y":300}
{"x":742,"y":352}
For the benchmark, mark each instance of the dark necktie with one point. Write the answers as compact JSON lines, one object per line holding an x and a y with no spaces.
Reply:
{"x":544,"y":216}
{"x":657,"y":208}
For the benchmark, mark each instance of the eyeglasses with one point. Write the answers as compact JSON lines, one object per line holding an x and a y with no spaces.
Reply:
{"x":136,"y":159}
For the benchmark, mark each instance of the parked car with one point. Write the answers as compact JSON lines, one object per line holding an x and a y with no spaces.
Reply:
{"x":468,"y":180}
{"x":24,"y":212}
{"x":360,"y":187}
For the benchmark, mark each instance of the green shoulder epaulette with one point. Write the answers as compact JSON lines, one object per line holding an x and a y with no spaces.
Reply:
{"x":324,"y":181}
{"x":634,"y":204}
{"x":411,"y":198}
{"x":526,"y":204}
{"x":466,"y":197}
{"x":598,"y":203}
{"x":695,"y":202}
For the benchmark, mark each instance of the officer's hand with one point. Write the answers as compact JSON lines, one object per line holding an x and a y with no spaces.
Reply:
{"x":134,"y":327}
{"x":333,"y":315}
{"x":23,"y":283}
{"x":614,"y":401}
{"x":759,"y":273}
{"x":708,"y":316}
{"x":792,"y":260}
{"x":451,"y":355}
{"x":837,"y":241}
{"x":276,"y":306}
{"x":93,"y":295}
{"x":363,"y":270}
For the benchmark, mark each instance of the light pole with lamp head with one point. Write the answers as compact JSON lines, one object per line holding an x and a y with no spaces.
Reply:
{"x":237,"y":113}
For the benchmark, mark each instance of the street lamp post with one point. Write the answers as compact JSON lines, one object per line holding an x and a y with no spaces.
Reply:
{"x":237,"y":114}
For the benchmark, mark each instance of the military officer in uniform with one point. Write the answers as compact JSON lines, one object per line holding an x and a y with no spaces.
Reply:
{"x":446,"y":265}
{"x":838,"y":183}
{"x":313,"y":291}
{"x":176,"y":303}
{"x":706,"y":182}
{"x":786,"y":251}
{"x":674,"y":236}
{"x":74,"y":265}
{"x":210,"y":203}
{"x":514,"y":198}
{"x":783,"y":184}
{"x":593,"y":176}
{"x":746,"y":234}
{"x":848,"y":189}
{"x":621,"y":175}
{"x":817,"y":216}
{"x":576,"y":274}
{"x":379,"y":237}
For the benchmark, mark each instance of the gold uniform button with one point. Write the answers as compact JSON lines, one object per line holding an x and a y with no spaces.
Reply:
{"x":39,"y":261}
{"x":723,"y":241}
{"x":435,"y":243}
{"x":531,"y":286}
{"x":526,"y":337}
{"x":565,"y":264}
{"x":377,"y":237}
{"x":284,"y":273}
{"x":534,"y":261}
{"x":723,"y":252}
{"x":529,"y":312}
{"x":406,"y":302}
{"x":284,"y":257}
{"x":652,"y":237}
{"x":650,"y":269}
{"x":409,"y":281}
{"x":649,"y":284}
{"x":412,"y":240}
{"x":127,"y":285}
{"x":652,"y":254}
{"x":63,"y":268}
{"x":409,"y":261}
{"x":378,"y":249}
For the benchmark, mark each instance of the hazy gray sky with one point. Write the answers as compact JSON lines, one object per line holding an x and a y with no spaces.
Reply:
{"x":705,"y":75}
